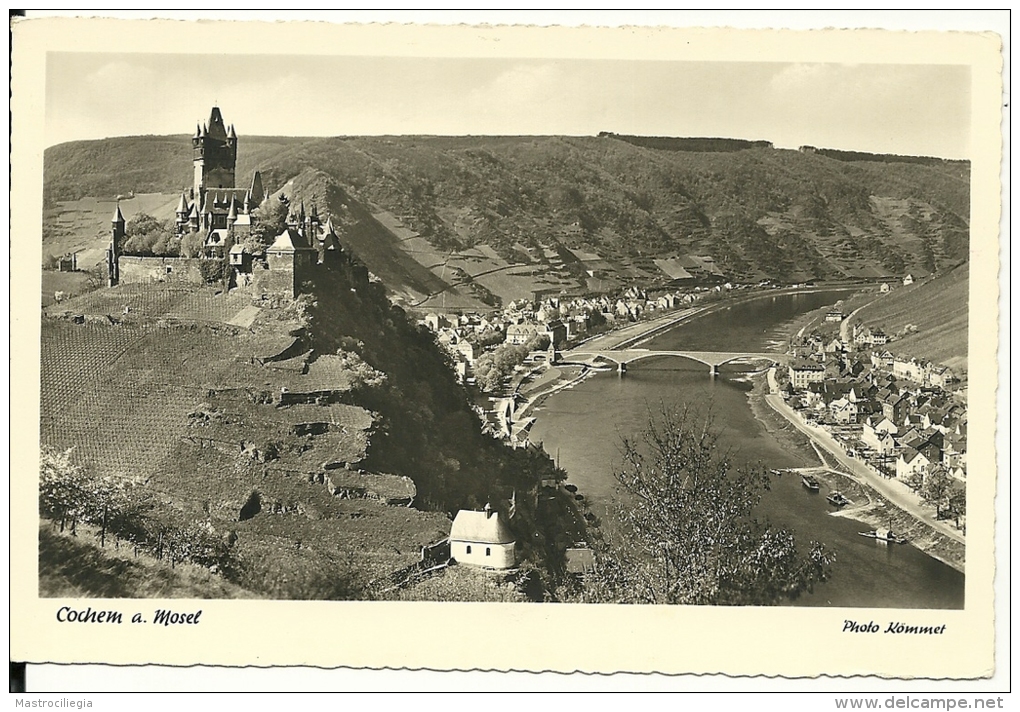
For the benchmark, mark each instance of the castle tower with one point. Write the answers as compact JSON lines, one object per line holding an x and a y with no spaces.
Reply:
{"x":182,"y":213}
{"x":214,"y":154}
{"x":232,"y":215}
{"x":118,"y":233}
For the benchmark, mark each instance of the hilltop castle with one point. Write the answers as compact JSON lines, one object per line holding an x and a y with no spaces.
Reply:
{"x":215,"y":204}
{"x":224,"y":213}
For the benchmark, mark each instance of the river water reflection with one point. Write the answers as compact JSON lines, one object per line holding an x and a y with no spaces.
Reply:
{"x":583,"y":427}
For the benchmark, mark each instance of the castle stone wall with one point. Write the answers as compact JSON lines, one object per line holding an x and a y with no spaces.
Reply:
{"x":145,"y":270}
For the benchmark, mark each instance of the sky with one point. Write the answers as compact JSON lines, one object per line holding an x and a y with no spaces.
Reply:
{"x":907,"y":109}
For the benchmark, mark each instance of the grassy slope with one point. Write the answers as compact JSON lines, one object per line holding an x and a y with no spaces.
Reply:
{"x":937,"y":307}
{"x":77,"y":567}
{"x":759,"y":212}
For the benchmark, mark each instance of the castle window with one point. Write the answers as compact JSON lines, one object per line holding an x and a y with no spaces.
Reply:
{"x":488,"y":551}
{"x":169,"y":269}
{"x":467,"y":549}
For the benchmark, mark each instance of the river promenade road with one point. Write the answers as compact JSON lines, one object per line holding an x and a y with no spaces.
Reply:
{"x":893,"y":490}
{"x":629,"y":335}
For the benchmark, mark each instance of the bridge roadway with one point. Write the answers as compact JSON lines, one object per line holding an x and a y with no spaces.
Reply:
{"x":622,"y":357}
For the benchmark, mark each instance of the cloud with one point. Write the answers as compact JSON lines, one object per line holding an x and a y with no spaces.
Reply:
{"x":533,"y":98}
{"x":120,"y":76}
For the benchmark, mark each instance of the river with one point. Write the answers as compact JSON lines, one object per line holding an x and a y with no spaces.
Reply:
{"x":583,"y":425}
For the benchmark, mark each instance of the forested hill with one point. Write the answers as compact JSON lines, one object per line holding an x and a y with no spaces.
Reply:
{"x":755,"y":210}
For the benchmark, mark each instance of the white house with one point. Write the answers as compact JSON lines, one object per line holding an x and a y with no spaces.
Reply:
{"x":482,"y":539}
{"x":911,"y":462}
{"x":843,"y":411}
{"x":908,"y":280}
{"x":880,"y":436}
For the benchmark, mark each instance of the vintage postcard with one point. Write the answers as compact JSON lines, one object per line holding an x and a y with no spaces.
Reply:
{"x":504,"y":348}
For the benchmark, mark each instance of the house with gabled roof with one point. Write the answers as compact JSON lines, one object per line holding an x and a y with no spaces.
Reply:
{"x":911,"y":462}
{"x":482,"y":538}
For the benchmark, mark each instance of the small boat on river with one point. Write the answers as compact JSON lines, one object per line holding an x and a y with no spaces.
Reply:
{"x":837,"y":499}
{"x":811,"y":483}
{"x":886,"y":535}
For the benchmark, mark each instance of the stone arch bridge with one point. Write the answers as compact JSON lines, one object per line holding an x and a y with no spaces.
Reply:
{"x":712,"y":359}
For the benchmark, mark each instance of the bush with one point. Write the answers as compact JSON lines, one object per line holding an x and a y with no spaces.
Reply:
{"x":212,"y":270}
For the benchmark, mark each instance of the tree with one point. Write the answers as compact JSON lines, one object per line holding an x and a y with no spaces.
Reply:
{"x":958,"y":501}
{"x":690,"y":526}
{"x":270,"y":220}
{"x":148,"y":236}
{"x":68,"y":491}
{"x":915,"y":481}
{"x":63,"y":487}
{"x":192,"y":243}
{"x":936,"y":490}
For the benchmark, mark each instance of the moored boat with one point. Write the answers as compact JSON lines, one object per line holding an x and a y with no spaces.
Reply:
{"x":886,"y":535}
{"x":837,"y":499}
{"x":811,"y":483}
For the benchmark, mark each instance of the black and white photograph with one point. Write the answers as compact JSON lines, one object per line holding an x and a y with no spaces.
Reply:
{"x":542,"y":330}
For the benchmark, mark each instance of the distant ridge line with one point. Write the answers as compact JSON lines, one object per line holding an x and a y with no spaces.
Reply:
{"x":694,"y":144}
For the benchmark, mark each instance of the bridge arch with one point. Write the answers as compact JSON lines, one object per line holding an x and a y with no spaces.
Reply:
{"x":711,"y":359}
{"x":777,"y":359}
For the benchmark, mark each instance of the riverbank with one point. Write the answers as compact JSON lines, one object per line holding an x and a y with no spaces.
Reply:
{"x":870,"y":506}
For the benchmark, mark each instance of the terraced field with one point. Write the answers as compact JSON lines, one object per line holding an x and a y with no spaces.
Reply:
{"x":118,"y":394}
{"x":168,"y":392}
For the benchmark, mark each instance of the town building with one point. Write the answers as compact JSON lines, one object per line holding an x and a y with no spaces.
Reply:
{"x":911,"y":462}
{"x":804,"y":372}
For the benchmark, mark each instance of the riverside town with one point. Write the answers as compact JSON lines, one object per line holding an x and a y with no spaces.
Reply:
{"x":417,"y":368}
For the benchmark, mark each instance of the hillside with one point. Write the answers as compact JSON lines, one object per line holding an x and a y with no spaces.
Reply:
{"x":930,"y":317}
{"x":536,"y":203}
{"x":78,"y":567}
{"x":305,"y":454}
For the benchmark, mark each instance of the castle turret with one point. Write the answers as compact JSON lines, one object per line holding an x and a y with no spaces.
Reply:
{"x":258,"y":193}
{"x":118,"y":233}
{"x":182,"y":213}
{"x":119,"y":224}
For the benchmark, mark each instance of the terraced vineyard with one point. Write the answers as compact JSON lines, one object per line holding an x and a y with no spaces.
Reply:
{"x":118,"y":394}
